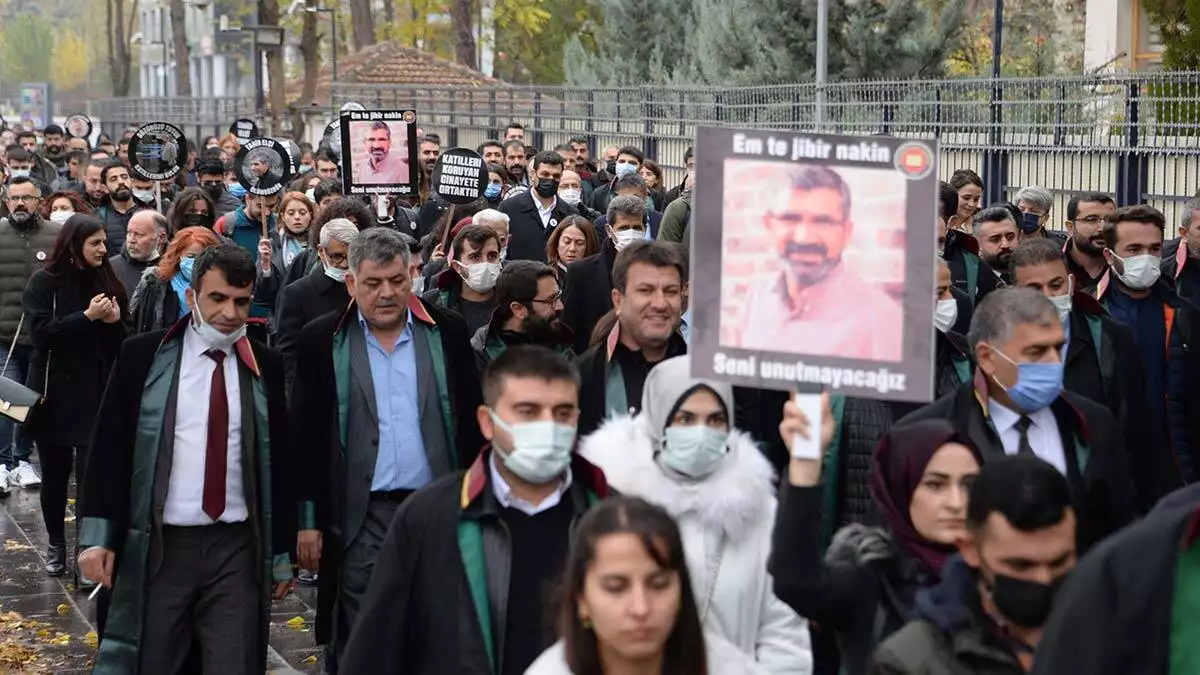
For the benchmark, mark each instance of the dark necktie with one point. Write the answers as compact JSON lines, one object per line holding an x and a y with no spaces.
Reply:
{"x":1023,"y":447}
{"x":217,"y":448}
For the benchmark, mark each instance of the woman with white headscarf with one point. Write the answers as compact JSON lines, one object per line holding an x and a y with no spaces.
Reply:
{"x":683,"y":452}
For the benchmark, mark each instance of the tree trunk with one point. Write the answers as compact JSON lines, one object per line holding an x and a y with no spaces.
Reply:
{"x":183,"y":76}
{"x":363,"y":23}
{"x":389,"y":12}
{"x":120,"y":60}
{"x":268,"y":15}
{"x":310,"y":47}
{"x":464,"y":38}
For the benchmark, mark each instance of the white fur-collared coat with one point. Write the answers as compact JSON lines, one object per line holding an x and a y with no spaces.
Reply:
{"x":726,"y":521}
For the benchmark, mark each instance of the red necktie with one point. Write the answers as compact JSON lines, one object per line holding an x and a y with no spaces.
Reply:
{"x":217,"y":451}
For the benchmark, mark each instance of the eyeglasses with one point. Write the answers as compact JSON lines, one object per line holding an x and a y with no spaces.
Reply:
{"x":25,"y":199}
{"x":1090,"y":220}
{"x":551,"y":301}
{"x":335,"y":258}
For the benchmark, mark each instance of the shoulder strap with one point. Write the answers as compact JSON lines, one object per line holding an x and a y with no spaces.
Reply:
{"x":13,"y":344}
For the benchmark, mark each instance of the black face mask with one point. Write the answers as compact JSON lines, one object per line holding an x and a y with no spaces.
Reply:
{"x":546,"y":187}
{"x":611,"y":166}
{"x":1025,"y":603}
{"x":197,"y":220}
{"x":215,"y":191}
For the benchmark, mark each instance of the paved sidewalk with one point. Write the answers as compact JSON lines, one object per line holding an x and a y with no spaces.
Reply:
{"x":48,"y":627}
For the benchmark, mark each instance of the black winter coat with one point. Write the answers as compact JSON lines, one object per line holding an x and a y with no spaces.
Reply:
{"x":863,"y":592}
{"x":587,"y":294}
{"x":527,"y":237}
{"x":309,"y":298}
{"x":72,"y":355}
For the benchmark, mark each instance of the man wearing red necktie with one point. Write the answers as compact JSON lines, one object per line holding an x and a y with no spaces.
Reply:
{"x":184,"y":508}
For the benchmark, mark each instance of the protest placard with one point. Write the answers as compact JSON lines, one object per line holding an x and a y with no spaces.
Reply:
{"x":158,"y":151}
{"x":379,"y":152}
{"x":813,"y":262}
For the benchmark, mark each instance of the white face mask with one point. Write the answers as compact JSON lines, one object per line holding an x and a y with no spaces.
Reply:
{"x":570,"y":196}
{"x":19,"y":173}
{"x":418,"y":285}
{"x":144,"y":196}
{"x":1062,"y":303}
{"x":336,"y":273}
{"x":60,"y":217}
{"x":212,"y":337}
{"x":626,"y":237}
{"x":694,"y":451}
{"x":503,"y":254}
{"x":1141,"y":271}
{"x":541,"y":450}
{"x":481,"y":277}
{"x":946,"y":314}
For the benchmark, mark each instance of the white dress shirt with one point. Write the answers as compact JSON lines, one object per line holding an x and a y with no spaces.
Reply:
{"x":544,"y":211}
{"x":1044,"y":439}
{"x":185,"y":491}
{"x":505,"y":496}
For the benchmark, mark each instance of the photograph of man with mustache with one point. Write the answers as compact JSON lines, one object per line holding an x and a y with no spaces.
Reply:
{"x":375,"y":163}
{"x":810,"y":302}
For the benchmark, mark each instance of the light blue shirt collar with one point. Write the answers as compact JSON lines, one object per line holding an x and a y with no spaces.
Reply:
{"x":362,"y":323}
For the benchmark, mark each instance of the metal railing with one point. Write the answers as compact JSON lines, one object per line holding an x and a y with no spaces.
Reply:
{"x":1136,"y":136}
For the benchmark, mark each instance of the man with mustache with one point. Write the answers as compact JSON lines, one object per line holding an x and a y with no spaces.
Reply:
{"x":998,"y":234}
{"x":121,"y":204}
{"x":1085,"y":248}
{"x":812,"y":301}
{"x":379,"y":167}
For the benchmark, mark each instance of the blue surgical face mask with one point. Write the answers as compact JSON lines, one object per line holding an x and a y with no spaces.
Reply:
{"x":492,"y":191}
{"x":185,"y":268}
{"x":1038,"y":384}
{"x":626,"y":169}
{"x":1030,"y":222}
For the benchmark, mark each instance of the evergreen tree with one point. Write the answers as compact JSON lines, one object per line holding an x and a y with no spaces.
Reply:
{"x":641,"y":42}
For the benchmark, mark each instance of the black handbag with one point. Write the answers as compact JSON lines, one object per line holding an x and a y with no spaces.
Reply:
{"x":17,"y":402}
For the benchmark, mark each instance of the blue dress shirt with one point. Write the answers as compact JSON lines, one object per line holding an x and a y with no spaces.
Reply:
{"x":401,"y":463}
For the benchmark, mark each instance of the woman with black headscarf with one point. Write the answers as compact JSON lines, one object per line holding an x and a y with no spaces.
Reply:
{"x":864,"y":588}
{"x":76,"y":313}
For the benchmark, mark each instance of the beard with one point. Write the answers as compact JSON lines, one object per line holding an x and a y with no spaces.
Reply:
{"x":807,"y":273}
{"x":998,"y":262}
{"x":123,"y":195}
{"x":540,"y":331}
{"x":1089,"y":246}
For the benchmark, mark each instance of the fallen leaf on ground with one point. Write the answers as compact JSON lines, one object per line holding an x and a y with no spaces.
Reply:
{"x":91,"y":639}
{"x":14,"y":545}
{"x":64,"y":609}
{"x":62,"y":639}
{"x":296,"y":622}
{"x":309,"y":660}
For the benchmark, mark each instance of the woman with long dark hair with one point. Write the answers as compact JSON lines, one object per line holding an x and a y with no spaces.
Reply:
{"x":627,"y":604}
{"x":864,"y":587}
{"x":192,"y":208}
{"x":76,"y":312}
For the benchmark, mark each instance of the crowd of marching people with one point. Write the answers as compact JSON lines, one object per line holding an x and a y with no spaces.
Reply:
{"x":475,"y":432}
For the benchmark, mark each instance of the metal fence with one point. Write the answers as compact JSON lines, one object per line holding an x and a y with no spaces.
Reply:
{"x":1135,"y":136}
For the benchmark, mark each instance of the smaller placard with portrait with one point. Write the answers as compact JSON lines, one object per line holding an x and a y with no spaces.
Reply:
{"x":158,"y":151}
{"x":379,"y":152}
{"x":263,"y":166}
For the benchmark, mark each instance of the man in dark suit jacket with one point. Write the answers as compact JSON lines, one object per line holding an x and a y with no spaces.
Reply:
{"x":533,"y":215}
{"x":999,"y":413}
{"x":364,"y":457}
{"x":315,"y":295}
{"x":589,"y":283}
{"x":156,"y":516}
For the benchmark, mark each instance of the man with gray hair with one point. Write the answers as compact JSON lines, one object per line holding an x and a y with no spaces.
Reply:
{"x":384,"y":403}
{"x":1035,"y":203}
{"x":315,"y":295}
{"x":810,"y":302}
{"x":1016,"y":405}
{"x":589,"y":285}
{"x":1181,"y":255}
{"x":499,"y":223}
{"x":145,"y":238}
